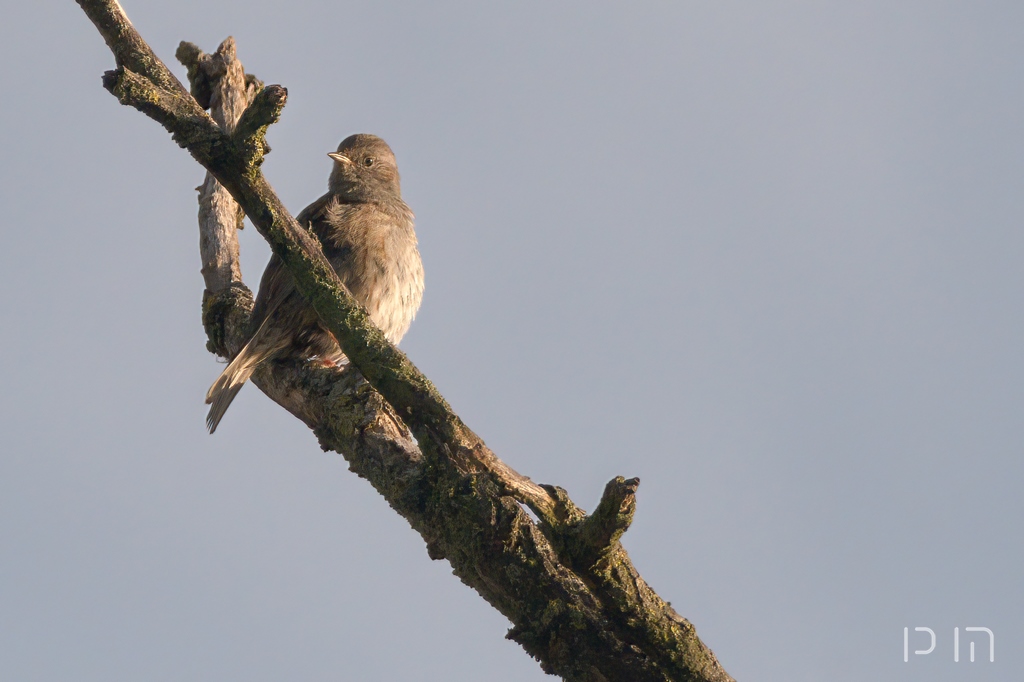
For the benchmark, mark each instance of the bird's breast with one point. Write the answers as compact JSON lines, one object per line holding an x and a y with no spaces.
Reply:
{"x":375,"y":253}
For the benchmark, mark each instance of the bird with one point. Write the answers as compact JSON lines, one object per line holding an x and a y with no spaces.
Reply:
{"x":367,"y":234}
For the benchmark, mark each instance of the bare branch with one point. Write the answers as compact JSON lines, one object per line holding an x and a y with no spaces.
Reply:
{"x":218,"y":83}
{"x":575,"y":600}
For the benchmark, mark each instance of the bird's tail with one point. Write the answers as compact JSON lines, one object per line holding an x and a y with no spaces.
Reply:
{"x":231,"y":380}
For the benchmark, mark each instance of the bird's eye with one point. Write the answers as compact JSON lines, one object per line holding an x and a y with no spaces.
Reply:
{"x":368,"y":161}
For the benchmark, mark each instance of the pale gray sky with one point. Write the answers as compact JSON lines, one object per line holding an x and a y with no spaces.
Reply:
{"x":766,"y":258}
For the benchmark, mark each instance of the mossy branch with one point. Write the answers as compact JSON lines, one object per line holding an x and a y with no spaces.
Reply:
{"x":178,"y":112}
{"x":597,"y":536}
{"x":130,"y":50}
{"x":251,"y":130}
{"x":575,"y":600}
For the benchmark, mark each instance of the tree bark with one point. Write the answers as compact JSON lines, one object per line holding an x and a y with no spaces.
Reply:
{"x":576,"y":602}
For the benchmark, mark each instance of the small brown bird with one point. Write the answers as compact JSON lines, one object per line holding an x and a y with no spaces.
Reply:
{"x":366,"y":232}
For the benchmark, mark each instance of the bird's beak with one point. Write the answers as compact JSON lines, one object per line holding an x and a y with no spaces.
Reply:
{"x":340,"y":158}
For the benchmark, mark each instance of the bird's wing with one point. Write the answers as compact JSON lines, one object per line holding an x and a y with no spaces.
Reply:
{"x":277,"y":283}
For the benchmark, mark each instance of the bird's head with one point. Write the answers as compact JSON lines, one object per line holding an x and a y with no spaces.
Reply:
{"x":364,"y":169}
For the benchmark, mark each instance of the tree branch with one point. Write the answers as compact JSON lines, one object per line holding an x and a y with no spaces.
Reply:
{"x":576,"y":602}
{"x":597,"y":536}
